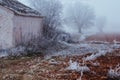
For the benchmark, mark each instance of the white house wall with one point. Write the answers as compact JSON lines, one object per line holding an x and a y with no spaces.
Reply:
{"x":24,"y":27}
{"x":6,"y":28}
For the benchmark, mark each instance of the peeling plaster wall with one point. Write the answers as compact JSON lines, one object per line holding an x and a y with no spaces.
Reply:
{"x":6,"y":28}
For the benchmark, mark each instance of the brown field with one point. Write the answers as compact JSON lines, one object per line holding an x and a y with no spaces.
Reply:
{"x":37,"y":68}
{"x":109,"y":37}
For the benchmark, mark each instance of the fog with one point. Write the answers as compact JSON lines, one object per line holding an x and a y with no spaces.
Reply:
{"x":108,"y":8}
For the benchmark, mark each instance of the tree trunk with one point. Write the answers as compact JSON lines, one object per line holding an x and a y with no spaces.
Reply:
{"x":80,"y":30}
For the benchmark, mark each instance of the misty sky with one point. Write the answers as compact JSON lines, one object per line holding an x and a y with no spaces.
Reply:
{"x":108,"y":8}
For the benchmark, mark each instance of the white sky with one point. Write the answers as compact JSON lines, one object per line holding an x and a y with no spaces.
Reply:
{"x":108,"y":8}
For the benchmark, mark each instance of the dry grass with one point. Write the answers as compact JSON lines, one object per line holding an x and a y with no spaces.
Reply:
{"x":38,"y":68}
{"x":109,"y":37}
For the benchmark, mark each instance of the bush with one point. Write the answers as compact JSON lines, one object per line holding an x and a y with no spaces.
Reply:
{"x":114,"y":74}
{"x":36,"y":46}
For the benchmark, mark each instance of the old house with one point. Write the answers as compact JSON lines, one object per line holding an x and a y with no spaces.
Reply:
{"x":18,"y":22}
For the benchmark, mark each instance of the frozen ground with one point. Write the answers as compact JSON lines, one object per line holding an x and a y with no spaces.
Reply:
{"x":85,"y":48}
{"x":76,"y":49}
{"x":71,"y":66}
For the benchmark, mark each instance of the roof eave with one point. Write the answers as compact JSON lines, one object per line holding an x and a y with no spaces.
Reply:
{"x":20,"y":14}
{"x":28,"y":15}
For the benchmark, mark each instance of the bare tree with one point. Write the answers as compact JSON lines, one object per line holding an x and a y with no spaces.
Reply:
{"x":79,"y":15}
{"x":100,"y":23}
{"x":51,"y":10}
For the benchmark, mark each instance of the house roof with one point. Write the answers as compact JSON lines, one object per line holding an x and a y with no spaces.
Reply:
{"x":19,"y":8}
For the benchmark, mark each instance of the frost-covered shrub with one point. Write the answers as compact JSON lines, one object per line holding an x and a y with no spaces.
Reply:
{"x":114,"y":74}
{"x":91,"y":57}
{"x":94,"y":56}
{"x":17,"y":51}
{"x":36,"y":46}
{"x":77,"y":67}
{"x":26,"y":47}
